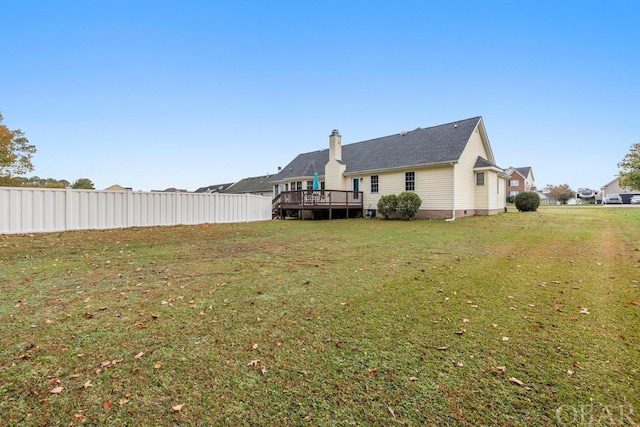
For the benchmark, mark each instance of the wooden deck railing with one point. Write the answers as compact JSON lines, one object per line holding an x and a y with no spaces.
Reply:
{"x":317,"y":199}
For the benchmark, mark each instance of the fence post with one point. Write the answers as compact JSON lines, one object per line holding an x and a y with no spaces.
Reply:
{"x":68,"y":209}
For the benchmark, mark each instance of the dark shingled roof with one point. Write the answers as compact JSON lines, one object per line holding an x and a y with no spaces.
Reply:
{"x":523,"y":171}
{"x":257,"y":184}
{"x":481,"y":162}
{"x":438,"y":144}
{"x":217,"y":188}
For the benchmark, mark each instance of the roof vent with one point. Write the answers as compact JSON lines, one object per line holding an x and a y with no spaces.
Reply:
{"x":403,"y":133}
{"x":455,"y":126}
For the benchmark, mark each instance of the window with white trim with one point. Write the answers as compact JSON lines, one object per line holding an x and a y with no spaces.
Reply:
{"x":514,"y":182}
{"x":479,"y":178}
{"x":410,"y":181}
{"x":374,"y":183}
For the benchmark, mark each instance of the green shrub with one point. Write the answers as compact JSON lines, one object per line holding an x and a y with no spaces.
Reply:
{"x":527,"y":201}
{"x":409,"y":204}
{"x":511,"y":199}
{"x":388,"y":205}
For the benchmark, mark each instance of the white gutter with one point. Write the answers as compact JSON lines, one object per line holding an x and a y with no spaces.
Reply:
{"x":453,"y":194}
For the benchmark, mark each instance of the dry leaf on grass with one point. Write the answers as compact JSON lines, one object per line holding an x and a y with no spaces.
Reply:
{"x":516,"y":381}
{"x":57,"y":390}
{"x":139,"y":355}
{"x":178,"y":407}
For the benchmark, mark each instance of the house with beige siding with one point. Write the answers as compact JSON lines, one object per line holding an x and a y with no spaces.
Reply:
{"x":615,"y":187}
{"x":451,"y":167}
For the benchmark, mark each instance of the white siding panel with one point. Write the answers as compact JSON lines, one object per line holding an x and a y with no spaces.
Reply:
{"x":465,"y":176}
{"x":480,"y":194}
{"x":433,"y":185}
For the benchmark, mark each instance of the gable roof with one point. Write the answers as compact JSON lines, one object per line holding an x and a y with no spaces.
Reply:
{"x":523,"y":172}
{"x":420,"y":147}
{"x":257,"y":184}
{"x":482,"y":163}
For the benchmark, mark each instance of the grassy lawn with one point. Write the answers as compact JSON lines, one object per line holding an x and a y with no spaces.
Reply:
{"x":517,"y":319}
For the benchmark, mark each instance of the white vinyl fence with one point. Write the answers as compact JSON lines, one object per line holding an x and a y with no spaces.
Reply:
{"x":31,"y":210}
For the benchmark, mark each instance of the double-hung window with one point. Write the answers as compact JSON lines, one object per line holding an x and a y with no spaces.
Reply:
{"x":374,"y":183}
{"x":479,"y":178}
{"x":410,"y":181}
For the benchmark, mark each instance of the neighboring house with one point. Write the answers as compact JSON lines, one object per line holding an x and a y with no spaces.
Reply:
{"x":520,"y":180}
{"x":615,"y":187}
{"x":219,"y":188}
{"x":116,"y":187}
{"x":259,"y":185}
{"x":450,"y":166}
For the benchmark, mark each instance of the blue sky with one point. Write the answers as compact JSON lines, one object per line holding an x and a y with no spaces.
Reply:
{"x":159,"y":94}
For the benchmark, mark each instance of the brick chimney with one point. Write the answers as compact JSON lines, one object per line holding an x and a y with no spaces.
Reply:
{"x":335,"y":145}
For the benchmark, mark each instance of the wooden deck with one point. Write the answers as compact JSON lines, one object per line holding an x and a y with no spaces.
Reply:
{"x":317,"y":204}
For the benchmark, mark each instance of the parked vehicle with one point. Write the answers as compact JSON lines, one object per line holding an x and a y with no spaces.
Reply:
{"x":635,"y":200}
{"x":612,"y":198}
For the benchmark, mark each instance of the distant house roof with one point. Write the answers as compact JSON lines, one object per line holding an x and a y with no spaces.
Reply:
{"x":171,"y":190}
{"x":523,"y":172}
{"x":217,"y":188}
{"x":116,"y":187}
{"x":420,"y":147}
{"x":257,"y":184}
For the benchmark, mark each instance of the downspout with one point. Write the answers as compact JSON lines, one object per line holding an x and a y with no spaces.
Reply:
{"x":453,"y":194}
